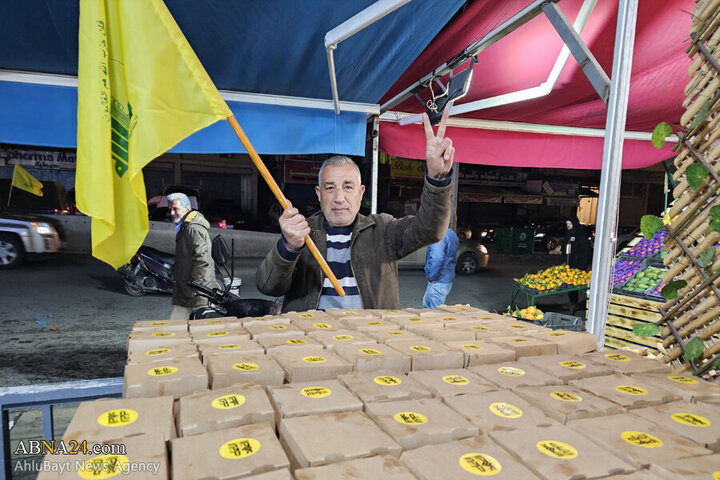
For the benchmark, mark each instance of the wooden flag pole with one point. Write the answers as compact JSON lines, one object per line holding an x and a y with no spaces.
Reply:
{"x":283,"y":201}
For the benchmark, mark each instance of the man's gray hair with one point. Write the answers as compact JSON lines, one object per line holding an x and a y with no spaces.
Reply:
{"x":184,"y":200}
{"x":338,"y":161}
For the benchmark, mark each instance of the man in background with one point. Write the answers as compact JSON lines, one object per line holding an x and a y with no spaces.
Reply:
{"x":440,"y":269}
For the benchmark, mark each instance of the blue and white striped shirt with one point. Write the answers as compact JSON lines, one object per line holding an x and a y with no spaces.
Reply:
{"x":338,"y":258}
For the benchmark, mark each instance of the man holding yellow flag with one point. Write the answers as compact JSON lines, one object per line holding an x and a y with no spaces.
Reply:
{"x":141,"y":90}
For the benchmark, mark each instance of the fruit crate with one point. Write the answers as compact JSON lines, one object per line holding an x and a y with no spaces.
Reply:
{"x":645,"y":294}
{"x":560,"y":321}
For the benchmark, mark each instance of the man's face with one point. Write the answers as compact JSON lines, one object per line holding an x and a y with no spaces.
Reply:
{"x":177,"y":211}
{"x":569,"y":225}
{"x":340,"y":194}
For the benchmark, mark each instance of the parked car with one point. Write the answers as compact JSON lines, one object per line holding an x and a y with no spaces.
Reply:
{"x":548,"y":237}
{"x":471,"y":257}
{"x":24,"y":236}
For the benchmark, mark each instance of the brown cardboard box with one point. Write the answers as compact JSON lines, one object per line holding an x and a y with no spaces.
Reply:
{"x":564,"y":402}
{"x":460,"y":309}
{"x":569,"y":343}
{"x":288,"y":330}
{"x":146,"y":340}
{"x":325,"y":324}
{"x":228,"y":454}
{"x":145,"y":456}
{"x":160,"y":353}
{"x":636,"y":440}
{"x":214,"y":347}
{"x":689,"y":387}
{"x":639,"y":475}
{"x":312,"y":398}
{"x":630,"y":392}
{"x":466,"y":459}
{"x":379,"y":467}
{"x":265,"y":320}
{"x":113,"y":419}
{"x":219,"y":332}
{"x":382,"y":335}
{"x":384,"y":386}
{"x":309,"y":366}
{"x":351,"y":322}
{"x":237,"y":368}
{"x":559,"y":453}
{"x":340,"y":337}
{"x":415,"y":423}
{"x":623,"y":361}
{"x":409,"y":320}
{"x":283,"y":474}
{"x":317,"y":440}
{"x":371,"y":357}
{"x":369,"y":323}
{"x":160,"y":325}
{"x":500,"y":410}
{"x":176,"y":377}
{"x":428,"y":355}
{"x":567,"y":367}
{"x":302,"y":342}
{"x":396,"y":314}
{"x":482,"y":352}
{"x":207,"y":324}
{"x":706,"y":467}
{"x":526,"y":346}
{"x":348,"y":312}
{"x":450,"y":382}
{"x":455,"y":333}
{"x":694,"y":421}
{"x":317,"y":315}
{"x":515,"y":374}
{"x":491,"y":329}
{"x":223,"y":408}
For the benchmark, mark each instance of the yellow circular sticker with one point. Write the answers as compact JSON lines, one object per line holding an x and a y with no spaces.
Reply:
{"x":641,"y":439}
{"x":314,"y":359}
{"x":485,"y":318}
{"x":517,"y":325}
{"x":228,"y":401}
{"x":229,"y":346}
{"x":217,"y":334}
{"x":681,"y":379}
{"x":246,"y":366}
{"x":631,"y":390}
{"x":392,"y":311}
{"x":474,"y":347}
{"x":349,"y":312}
{"x":277,"y":327}
{"x":566,"y":397}
{"x":157,"y":351}
{"x":342,"y":338}
{"x":394,"y":332}
{"x":617,"y":357}
{"x":414,"y":319}
{"x":240,"y":448}
{"x":455,"y":380}
{"x":307,"y":315}
{"x":323,"y":326}
{"x":296,"y":341}
{"x":387,"y":380}
{"x":553,"y":448}
{"x":410,"y":418}
{"x":374,"y":323}
{"x":519,"y":340}
{"x":575,"y":365}
{"x":691,"y":419}
{"x":159,"y":323}
{"x":316,"y":392}
{"x":420,"y":348}
{"x":212,"y":322}
{"x":505,"y":410}
{"x":117,"y":418}
{"x":370,"y":351}
{"x":478,"y":327}
{"x":480,"y":464}
{"x":162,"y":334}
{"x":716,"y":475}
{"x":557,"y":334}
{"x":104,"y":466}
{"x":449,"y":319}
{"x":161,"y":371}
{"x":511,"y":371}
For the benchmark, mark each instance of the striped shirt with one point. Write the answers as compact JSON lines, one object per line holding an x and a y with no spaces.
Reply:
{"x":338,"y":258}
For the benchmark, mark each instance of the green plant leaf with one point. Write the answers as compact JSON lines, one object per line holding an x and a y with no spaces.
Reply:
{"x":715,"y":211}
{"x":645,"y":329}
{"x":670,"y":290}
{"x":649,"y":224}
{"x":701,"y":115}
{"x":706,"y":257}
{"x":693,"y":349}
{"x":715,"y":364}
{"x":661,"y":131}
{"x":695,"y":175}
{"x":715,"y":224}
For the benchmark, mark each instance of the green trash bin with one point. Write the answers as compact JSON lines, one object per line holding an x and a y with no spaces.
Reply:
{"x":523,"y":240}
{"x":504,"y":240}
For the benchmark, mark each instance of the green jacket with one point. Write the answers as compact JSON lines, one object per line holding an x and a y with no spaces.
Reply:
{"x":377,"y":242}
{"x":193,"y":260}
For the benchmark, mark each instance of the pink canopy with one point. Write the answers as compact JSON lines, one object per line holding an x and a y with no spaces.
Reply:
{"x":524,"y":58}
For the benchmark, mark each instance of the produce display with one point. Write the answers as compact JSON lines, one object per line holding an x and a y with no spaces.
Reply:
{"x":648,"y":281}
{"x":529,"y":313}
{"x":559,"y":277}
{"x":624,"y":270}
{"x":647,"y":248}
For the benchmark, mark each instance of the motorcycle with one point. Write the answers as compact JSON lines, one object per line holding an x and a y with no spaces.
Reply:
{"x":223,"y":303}
{"x":148,"y":271}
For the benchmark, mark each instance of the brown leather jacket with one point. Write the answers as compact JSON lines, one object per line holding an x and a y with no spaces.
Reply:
{"x":377,"y":242}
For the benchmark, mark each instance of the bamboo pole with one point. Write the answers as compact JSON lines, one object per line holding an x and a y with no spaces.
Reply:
{"x":283,"y":201}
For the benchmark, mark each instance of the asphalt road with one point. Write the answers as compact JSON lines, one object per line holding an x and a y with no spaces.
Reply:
{"x":68,"y":317}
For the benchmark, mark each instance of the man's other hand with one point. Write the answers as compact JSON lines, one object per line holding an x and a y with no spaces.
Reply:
{"x":294,"y":228}
{"x":439,"y":152}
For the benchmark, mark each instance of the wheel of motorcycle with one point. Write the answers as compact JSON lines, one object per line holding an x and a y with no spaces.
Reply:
{"x":133,"y":290}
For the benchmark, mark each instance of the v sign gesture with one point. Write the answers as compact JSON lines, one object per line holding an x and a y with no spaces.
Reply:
{"x":439,"y":151}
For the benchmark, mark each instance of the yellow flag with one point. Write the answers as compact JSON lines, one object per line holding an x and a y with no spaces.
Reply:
{"x":24,"y":181}
{"x":141,"y":90}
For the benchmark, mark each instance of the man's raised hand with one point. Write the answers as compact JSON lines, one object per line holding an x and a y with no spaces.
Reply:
{"x":439,"y":152}
{"x":294,"y":228}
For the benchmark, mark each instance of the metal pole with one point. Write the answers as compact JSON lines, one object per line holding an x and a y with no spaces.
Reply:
{"x":609,"y":195}
{"x":375,"y":140}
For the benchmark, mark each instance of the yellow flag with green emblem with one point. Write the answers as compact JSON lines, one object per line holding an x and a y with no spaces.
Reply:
{"x":141,"y":90}
{"x":24,"y":181}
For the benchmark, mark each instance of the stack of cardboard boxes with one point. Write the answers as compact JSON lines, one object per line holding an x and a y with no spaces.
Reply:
{"x":404,"y":394}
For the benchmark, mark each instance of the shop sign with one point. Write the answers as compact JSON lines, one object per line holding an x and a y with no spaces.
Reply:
{"x":298,"y":171}
{"x":407,"y":169}
{"x":475,"y":176}
{"x":37,"y":158}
